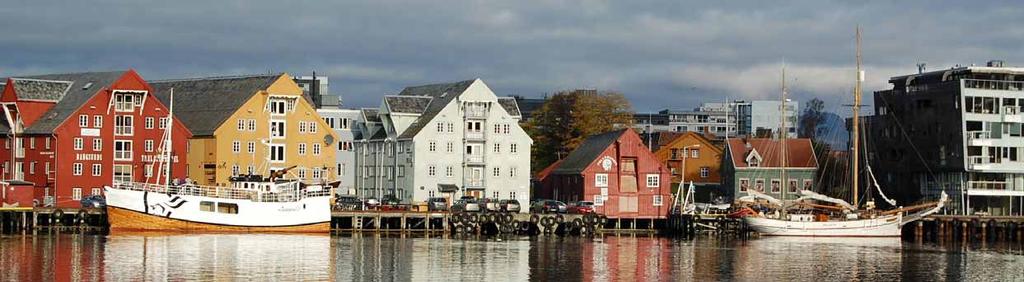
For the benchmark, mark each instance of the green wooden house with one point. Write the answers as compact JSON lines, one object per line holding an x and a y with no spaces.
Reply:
{"x":756,"y":163}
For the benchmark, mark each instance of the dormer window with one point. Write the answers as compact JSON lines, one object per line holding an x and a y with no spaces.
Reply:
{"x":753,"y":159}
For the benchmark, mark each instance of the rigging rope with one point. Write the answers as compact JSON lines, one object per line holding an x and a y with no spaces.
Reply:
{"x":879,"y":188}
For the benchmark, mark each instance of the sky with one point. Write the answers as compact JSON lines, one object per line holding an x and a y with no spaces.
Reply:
{"x":660,"y":54}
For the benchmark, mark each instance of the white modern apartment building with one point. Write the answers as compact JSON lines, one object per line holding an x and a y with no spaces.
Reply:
{"x":723,"y":119}
{"x":344,"y":122}
{"x":443,"y":140}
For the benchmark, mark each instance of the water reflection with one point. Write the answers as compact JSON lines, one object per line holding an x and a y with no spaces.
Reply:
{"x":548,"y":258}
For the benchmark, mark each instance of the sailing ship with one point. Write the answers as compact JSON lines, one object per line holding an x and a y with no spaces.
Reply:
{"x":252,"y":203}
{"x":818,"y":222}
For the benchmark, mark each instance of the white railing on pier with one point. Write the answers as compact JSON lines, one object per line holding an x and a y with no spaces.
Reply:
{"x":290,"y":194}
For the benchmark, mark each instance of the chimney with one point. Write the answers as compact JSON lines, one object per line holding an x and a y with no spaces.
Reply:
{"x":920,"y":68}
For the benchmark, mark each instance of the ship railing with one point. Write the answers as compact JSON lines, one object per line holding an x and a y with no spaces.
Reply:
{"x":285,"y":195}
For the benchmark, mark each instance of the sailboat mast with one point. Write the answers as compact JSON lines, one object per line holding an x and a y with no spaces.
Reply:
{"x":167,"y":141}
{"x":783,"y":134}
{"x":854,"y":153}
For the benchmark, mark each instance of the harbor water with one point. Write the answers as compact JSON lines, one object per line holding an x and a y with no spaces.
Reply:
{"x":375,"y":257}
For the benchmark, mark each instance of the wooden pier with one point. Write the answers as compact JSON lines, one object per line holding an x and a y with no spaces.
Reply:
{"x":967,"y":228}
{"x":28,"y":220}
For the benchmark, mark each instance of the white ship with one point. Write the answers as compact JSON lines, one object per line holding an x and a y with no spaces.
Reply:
{"x":252,"y":203}
{"x":821,"y":221}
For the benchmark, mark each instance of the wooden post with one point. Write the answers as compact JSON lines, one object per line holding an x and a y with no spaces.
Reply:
{"x":919,"y":230}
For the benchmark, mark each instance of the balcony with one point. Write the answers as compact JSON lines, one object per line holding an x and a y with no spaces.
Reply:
{"x":475,"y":159}
{"x":987,"y":139}
{"x":992,"y":188}
{"x":475,"y":136}
{"x":474,"y":183}
{"x":994,"y":164}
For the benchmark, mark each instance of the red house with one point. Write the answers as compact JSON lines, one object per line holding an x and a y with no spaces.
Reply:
{"x":72,"y":134}
{"x":617,"y":172}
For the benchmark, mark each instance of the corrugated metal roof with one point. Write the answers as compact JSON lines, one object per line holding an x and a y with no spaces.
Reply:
{"x":76,"y":95}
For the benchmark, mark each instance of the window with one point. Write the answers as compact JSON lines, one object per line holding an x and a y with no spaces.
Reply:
{"x":744,"y":184}
{"x":252,"y":147}
{"x":32,"y":143}
{"x":497,"y":148}
{"x":506,"y":128}
{"x":250,"y":170}
{"x":705,"y":172}
{"x":653,"y":181}
{"x":83,"y":121}
{"x":513,"y":148}
{"x":277,"y":129}
{"x":122,"y":173}
{"x":277,"y":153}
{"x":46,"y":142}
{"x":329,"y":121}
{"x":97,"y":121}
{"x":318,"y":174}
{"x":451,"y":127}
{"x":401,"y":171}
{"x":148,"y":145}
{"x":97,"y":191}
{"x":76,"y":193}
{"x":124,"y":102}
{"x":302,"y":127}
{"x":431,"y":170}
{"x":344,"y":123}
{"x":316,"y":149}
{"x":47,"y":167}
{"x":149,"y":122}
{"x":776,"y":186}
{"x":792,"y":186}
{"x":759,"y":185}
{"x":808,"y":183}
{"x":235,"y":170}
{"x":451,"y":147}
{"x":206,"y":206}
{"x":241,"y":125}
{"x":449,"y":172}
{"x":76,"y":168}
{"x":695,"y":153}
{"x":277,"y":107}
{"x":79,"y":143}
{"x":252,"y":125}
{"x":497,"y":172}
{"x":512,"y":172}
{"x":601,"y":180}
{"x":163,"y":123}
{"x":32,"y":168}
{"x":122,"y":150}
{"x":236,"y":146}
{"x":227,"y":208}
{"x":312,"y":127}
{"x":599,"y":200}
{"x":123,"y":125}
{"x":302,"y":149}
{"x":340,"y":169}
{"x":97,"y":169}
{"x":658,"y":201}
{"x":97,"y":144}
{"x":497,"y":128}
{"x":148,"y":170}
{"x":432,"y":146}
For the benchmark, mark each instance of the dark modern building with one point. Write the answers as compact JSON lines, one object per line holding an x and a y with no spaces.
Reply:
{"x":956,"y":130}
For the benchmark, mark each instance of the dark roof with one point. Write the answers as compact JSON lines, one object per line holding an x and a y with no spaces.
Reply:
{"x":407,"y":104}
{"x":529,"y":105}
{"x":442,"y":94}
{"x":510,"y":105}
{"x":36,"y":89}
{"x":799,"y":152}
{"x":18,"y":182}
{"x":586,"y":153}
{"x":203,"y":104}
{"x":370,"y":115}
{"x":379,"y":135}
{"x":447,"y":187}
{"x":4,"y":128}
{"x":72,"y":99}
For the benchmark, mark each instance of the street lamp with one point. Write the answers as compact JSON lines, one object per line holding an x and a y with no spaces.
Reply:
{"x":682,"y":177}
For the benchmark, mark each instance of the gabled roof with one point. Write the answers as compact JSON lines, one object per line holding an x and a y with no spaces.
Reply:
{"x":370,"y":115}
{"x":510,"y":106}
{"x":799,"y":152}
{"x":4,"y":127}
{"x":587,"y":152}
{"x":35,"y":89}
{"x":442,"y":94}
{"x":407,"y":104}
{"x":72,"y":98}
{"x":547,"y":170}
{"x":705,"y":143}
{"x":203,"y":104}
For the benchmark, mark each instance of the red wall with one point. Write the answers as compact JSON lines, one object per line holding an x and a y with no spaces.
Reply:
{"x":571,"y":188}
{"x":18,"y":194}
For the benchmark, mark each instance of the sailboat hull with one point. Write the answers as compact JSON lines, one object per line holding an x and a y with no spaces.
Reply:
{"x":888,"y":226}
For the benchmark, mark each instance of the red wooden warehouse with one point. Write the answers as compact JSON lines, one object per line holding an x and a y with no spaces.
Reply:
{"x":72,"y":134}
{"x":615,"y":171}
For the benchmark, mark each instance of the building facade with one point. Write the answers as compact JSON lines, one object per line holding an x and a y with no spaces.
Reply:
{"x":450,"y":140}
{"x":692,"y":158}
{"x":72,"y":134}
{"x":957,"y":130}
{"x":251,"y":125}
{"x":344,"y":123}
{"x":317,"y":89}
{"x":723,"y":119}
{"x":756,"y":163}
{"x":617,"y":172}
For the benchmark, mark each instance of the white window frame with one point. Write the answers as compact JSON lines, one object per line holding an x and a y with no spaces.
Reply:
{"x":497,"y":171}
{"x":658,"y":200}
{"x":316,"y":149}
{"x":83,"y":121}
{"x":126,"y":172}
{"x":600,"y":180}
{"x":97,"y":169}
{"x":97,"y":144}
{"x":97,"y":121}
{"x":241,"y":125}
{"x":236,"y":146}
{"x":79,"y":143}
{"x":705,"y":172}
{"x":76,"y":193}
{"x":163,"y":123}
{"x":123,"y":155}
{"x":302,"y":149}
{"x":252,"y":125}
{"x":77,"y":168}
{"x":513,"y":148}
{"x":124,"y":125}
{"x":276,"y":127}
{"x":148,"y":145}
{"x":150,"y":122}
{"x":312,"y":127}
{"x":432,"y":170}
{"x":277,"y":153}
{"x":251,"y":147}
{"x":653,"y":181}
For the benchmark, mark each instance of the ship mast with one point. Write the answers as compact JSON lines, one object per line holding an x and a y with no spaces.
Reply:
{"x":782,"y":135}
{"x":854,"y":153}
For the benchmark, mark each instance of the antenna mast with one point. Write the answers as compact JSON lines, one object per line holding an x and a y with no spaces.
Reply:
{"x":783,"y":133}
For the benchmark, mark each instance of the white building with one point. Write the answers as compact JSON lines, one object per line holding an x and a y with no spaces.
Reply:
{"x":443,"y":140}
{"x":723,"y":119}
{"x":343,"y":122}
{"x":764,"y":115}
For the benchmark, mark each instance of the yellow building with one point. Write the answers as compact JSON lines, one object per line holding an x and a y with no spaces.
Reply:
{"x":250,"y":125}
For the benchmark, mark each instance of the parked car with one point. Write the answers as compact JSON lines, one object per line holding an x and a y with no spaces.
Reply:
{"x":490,"y":205}
{"x":466,"y":205}
{"x":437,"y":204}
{"x":549,"y":206}
{"x":581,"y":207}
{"x":93,"y":201}
{"x":348,"y":203}
{"x":509,"y":205}
{"x":371,"y":203}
